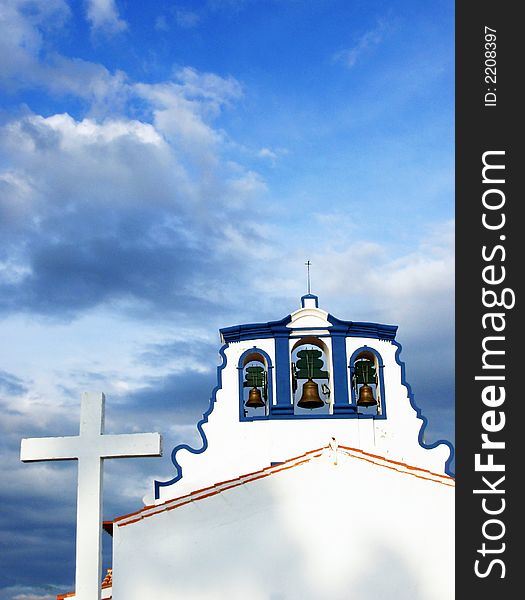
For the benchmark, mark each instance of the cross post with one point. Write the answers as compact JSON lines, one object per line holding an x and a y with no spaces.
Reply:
{"x":90,"y":448}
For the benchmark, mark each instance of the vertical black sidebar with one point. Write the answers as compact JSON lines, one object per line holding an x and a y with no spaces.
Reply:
{"x":490,"y":340}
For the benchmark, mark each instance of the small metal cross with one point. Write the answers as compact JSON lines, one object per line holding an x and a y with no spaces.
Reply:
{"x":308,"y":263}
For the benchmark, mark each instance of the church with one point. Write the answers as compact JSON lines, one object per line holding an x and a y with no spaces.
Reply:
{"x":312,"y":481}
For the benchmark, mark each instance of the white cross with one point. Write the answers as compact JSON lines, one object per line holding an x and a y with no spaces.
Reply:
{"x":90,"y":447}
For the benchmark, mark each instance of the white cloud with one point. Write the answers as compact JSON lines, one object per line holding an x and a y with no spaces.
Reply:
{"x":207,"y":94}
{"x":396,"y":287}
{"x":267,"y":153}
{"x":369,"y":39}
{"x":270,"y":155}
{"x":26,"y":61}
{"x":22,"y":35}
{"x":103,"y":192}
{"x":176,"y":116}
{"x":104,"y":17}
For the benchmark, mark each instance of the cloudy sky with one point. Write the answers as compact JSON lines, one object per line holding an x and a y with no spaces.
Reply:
{"x":166,"y":168}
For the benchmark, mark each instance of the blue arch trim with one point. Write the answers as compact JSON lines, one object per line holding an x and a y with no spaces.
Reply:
{"x":381,"y":365}
{"x":240,"y":367}
{"x":159,"y":484}
{"x":420,"y":415}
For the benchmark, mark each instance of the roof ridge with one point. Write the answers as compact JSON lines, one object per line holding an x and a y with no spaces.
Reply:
{"x":446,"y":480}
{"x":221,"y":486}
{"x":396,"y":462}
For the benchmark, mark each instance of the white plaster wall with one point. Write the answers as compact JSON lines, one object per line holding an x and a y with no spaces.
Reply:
{"x":318,"y":531}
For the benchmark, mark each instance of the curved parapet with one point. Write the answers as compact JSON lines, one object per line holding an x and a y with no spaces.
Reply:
{"x":161,"y":484}
{"x":424,"y":420}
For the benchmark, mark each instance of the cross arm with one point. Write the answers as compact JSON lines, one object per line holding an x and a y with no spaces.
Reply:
{"x":130,"y":444}
{"x":57,"y":448}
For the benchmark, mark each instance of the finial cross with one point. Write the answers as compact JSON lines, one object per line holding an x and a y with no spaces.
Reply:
{"x":90,"y":448}
{"x":308,"y":264}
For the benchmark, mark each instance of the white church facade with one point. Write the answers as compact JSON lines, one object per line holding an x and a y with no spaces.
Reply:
{"x":313,"y":480}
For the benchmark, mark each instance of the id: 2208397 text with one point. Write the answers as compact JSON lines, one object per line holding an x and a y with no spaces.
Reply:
{"x":490,"y":66}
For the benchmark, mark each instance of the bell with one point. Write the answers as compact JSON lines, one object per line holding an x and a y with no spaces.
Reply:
{"x":254,"y":398}
{"x":310,"y":397}
{"x":366,"y":396}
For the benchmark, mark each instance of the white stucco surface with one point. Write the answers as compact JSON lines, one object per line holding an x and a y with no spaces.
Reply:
{"x":363,"y":528}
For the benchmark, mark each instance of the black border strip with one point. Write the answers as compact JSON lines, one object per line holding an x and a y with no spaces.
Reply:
{"x":488,"y":120}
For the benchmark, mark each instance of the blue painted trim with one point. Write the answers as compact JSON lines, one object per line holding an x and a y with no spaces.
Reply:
{"x":380,"y":365}
{"x":240,"y":367}
{"x":361,"y":329}
{"x":420,"y":415}
{"x":283,"y":387}
{"x":311,"y":329}
{"x":159,"y":484}
{"x":345,"y":410}
{"x":340,"y":373}
{"x":346,"y":414}
{"x":310,"y":297}
{"x":254,"y":331}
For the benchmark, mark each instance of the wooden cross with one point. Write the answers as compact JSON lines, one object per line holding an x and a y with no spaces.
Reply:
{"x":90,"y":448}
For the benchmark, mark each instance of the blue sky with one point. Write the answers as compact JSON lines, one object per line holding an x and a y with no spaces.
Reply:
{"x":166,"y":168}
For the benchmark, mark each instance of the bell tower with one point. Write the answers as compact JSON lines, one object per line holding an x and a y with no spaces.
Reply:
{"x":288,"y":386}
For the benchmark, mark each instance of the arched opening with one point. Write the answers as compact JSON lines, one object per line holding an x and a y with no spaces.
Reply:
{"x":254,"y":384}
{"x":311,"y":377}
{"x":365,"y":370}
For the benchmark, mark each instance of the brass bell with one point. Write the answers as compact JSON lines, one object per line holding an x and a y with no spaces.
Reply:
{"x":310,"y":397}
{"x":254,"y":398}
{"x":366,"y":396}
